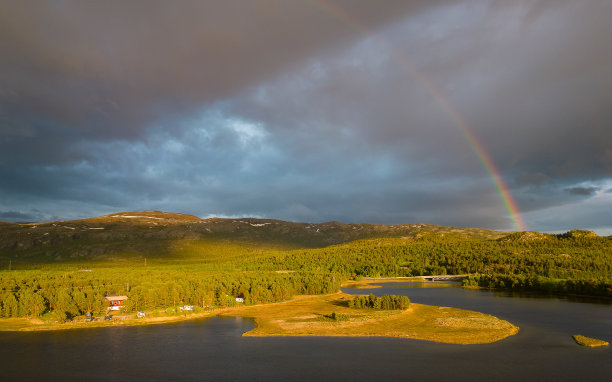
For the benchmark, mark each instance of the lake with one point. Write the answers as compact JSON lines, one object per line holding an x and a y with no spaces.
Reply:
{"x":213,"y":349}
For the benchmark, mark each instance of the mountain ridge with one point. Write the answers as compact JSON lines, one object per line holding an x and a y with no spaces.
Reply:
{"x":150,"y":232}
{"x":156,"y":233}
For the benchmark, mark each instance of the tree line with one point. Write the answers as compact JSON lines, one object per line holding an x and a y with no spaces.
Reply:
{"x":385,"y":302}
{"x":539,"y":283}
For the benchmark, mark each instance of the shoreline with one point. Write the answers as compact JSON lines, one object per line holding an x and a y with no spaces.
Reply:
{"x":28,"y":324}
{"x":36,"y":325}
{"x":367,"y":283}
{"x":310,"y":315}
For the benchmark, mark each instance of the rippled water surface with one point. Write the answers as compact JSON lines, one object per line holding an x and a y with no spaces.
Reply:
{"x":212,"y":349}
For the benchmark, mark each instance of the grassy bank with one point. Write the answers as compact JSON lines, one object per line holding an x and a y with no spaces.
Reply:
{"x":360,"y":285}
{"x":311,"y":316}
{"x":35,"y":324}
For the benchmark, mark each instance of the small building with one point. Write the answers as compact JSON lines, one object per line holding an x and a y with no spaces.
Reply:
{"x":239,"y":299}
{"x":116,"y":302}
{"x":186,"y":308}
{"x":141,"y":315}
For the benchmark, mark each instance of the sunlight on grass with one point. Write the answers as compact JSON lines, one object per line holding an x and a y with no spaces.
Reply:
{"x":309,"y":316}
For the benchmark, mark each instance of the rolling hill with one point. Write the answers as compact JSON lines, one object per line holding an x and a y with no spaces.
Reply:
{"x":154,"y":233}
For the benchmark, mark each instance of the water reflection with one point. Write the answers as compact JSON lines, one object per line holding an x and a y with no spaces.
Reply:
{"x":420,"y":284}
{"x":549,"y":296}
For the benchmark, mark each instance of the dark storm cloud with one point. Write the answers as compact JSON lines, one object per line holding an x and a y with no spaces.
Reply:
{"x":27,"y":216}
{"x":104,"y":70}
{"x":306,"y":110}
{"x":535,"y":124}
{"x":15,"y":216}
{"x":582,"y":191}
{"x":533,"y":86}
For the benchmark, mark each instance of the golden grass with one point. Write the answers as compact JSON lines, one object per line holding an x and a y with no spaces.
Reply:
{"x":15,"y":324}
{"x":589,"y":342}
{"x":308,"y":316}
{"x":33,"y":324}
{"x":368,"y":284}
{"x":360,"y":285}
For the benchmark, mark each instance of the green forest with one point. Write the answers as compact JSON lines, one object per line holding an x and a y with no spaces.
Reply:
{"x":210,"y":274}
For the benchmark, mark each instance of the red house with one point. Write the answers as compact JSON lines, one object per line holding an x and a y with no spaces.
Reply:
{"x":116,"y":302}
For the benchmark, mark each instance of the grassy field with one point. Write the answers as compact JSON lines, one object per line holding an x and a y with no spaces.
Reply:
{"x":311,"y":316}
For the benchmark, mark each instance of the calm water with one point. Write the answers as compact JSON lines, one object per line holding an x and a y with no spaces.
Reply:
{"x":213,"y":349}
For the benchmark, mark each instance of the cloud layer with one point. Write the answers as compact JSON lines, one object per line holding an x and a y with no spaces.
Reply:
{"x":308,"y":110}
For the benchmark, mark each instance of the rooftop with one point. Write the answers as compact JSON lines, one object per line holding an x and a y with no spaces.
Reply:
{"x":115,"y":298}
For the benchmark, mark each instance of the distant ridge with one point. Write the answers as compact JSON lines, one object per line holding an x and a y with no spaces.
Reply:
{"x":156,"y":233}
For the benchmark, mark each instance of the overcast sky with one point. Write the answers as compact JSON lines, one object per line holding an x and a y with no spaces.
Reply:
{"x":312,"y":110}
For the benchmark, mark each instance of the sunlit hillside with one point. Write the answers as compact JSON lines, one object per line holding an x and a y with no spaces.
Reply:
{"x":152,"y":234}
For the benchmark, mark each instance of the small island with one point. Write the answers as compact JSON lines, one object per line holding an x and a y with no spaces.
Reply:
{"x":330,"y":315}
{"x":588,"y":341}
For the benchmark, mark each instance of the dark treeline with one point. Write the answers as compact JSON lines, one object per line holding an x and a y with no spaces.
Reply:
{"x":385,"y":302}
{"x":554,"y":258}
{"x":539,"y":283}
{"x":573,"y":264}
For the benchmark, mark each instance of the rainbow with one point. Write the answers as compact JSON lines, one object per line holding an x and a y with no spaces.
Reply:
{"x":494,"y":174}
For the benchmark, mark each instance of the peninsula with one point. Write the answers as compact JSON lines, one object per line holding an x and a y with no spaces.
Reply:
{"x":325,"y":315}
